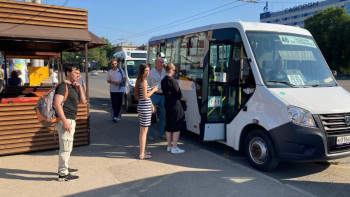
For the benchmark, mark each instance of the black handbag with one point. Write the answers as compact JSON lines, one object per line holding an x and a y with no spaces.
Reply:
{"x":183,"y":105}
{"x":154,"y":115}
{"x":154,"y":118}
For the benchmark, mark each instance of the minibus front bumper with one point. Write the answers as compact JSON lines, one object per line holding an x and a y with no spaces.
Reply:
{"x":299,"y":143}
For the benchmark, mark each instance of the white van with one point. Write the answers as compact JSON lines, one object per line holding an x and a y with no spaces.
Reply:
{"x":130,"y":62}
{"x":264,"y":88}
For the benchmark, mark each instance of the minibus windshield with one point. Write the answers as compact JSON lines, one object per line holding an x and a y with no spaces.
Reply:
{"x":289,"y":60}
{"x":133,"y":67}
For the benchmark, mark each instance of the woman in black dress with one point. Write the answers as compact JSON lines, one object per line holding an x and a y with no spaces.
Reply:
{"x":174,"y":114}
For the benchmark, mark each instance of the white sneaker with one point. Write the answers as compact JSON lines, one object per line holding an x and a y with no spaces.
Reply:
{"x":177,"y":150}
{"x":168,"y":149}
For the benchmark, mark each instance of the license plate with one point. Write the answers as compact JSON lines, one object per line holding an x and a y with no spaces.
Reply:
{"x":343,"y":140}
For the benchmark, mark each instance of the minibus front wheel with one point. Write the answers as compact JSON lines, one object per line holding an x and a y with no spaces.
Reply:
{"x":260,"y":151}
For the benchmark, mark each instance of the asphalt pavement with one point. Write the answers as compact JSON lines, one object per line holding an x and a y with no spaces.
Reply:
{"x":109,"y":166}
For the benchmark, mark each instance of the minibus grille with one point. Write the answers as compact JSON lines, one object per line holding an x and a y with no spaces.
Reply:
{"x":335,"y":126}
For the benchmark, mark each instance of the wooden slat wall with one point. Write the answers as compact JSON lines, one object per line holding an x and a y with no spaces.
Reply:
{"x":41,"y":14}
{"x":20,"y":130}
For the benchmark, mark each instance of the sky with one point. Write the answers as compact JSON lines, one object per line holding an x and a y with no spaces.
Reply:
{"x":137,"y":21}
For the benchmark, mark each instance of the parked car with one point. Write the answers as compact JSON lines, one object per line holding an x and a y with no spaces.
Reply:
{"x":94,"y":73}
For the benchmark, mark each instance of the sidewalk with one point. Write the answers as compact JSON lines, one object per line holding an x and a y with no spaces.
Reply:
{"x":109,"y":167}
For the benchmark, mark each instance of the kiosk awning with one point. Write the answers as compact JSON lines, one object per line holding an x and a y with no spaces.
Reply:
{"x":21,"y":37}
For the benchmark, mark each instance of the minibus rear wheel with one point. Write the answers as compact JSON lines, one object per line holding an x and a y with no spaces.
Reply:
{"x":260,"y":151}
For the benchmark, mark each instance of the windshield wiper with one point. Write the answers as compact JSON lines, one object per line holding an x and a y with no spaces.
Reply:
{"x":321,"y":85}
{"x":283,"y":82}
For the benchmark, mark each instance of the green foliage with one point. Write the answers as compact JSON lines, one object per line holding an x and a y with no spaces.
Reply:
{"x":345,"y":69}
{"x":331,"y":31}
{"x":101,"y":55}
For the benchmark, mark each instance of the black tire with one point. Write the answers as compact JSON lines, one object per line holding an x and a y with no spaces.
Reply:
{"x":260,"y":151}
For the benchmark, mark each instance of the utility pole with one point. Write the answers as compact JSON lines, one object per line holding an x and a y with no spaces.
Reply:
{"x":35,"y":62}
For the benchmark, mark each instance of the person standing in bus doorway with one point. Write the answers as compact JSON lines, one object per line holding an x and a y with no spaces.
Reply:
{"x":116,"y":78}
{"x":67,"y":114}
{"x":175,"y":116}
{"x":143,"y":93}
{"x":154,"y":78}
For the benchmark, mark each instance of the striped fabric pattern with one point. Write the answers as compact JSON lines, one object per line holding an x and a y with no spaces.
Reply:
{"x":144,"y":109}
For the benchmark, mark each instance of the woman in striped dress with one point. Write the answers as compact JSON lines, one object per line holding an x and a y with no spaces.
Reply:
{"x":143,"y":93}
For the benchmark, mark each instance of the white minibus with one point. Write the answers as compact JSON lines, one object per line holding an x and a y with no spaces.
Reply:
{"x":130,"y":62}
{"x":258,"y":87}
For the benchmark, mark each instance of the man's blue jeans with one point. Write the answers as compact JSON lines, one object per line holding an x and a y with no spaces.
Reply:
{"x":159,"y":101}
{"x":117,"y":102}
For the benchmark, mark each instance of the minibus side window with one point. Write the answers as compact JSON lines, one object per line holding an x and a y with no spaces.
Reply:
{"x":153,"y":51}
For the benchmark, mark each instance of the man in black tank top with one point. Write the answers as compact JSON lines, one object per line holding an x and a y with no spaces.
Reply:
{"x":67,"y":111}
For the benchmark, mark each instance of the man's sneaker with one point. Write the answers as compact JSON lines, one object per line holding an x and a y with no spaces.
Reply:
{"x":177,"y":150}
{"x":168,"y":148}
{"x":67,"y":177}
{"x":115,"y":119}
{"x":72,"y":170}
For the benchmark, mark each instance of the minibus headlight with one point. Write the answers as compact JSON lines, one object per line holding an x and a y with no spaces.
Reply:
{"x":300,"y":116}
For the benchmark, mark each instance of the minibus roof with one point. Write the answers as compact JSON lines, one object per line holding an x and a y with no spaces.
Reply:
{"x":245,"y":26}
{"x":124,"y":52}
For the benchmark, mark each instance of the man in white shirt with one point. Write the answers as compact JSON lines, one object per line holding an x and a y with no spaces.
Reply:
{"x":154,"y":78}
{"x":116,"y":78}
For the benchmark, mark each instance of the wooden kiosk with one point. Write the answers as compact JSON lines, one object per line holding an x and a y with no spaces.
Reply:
{"x":37,"y":31}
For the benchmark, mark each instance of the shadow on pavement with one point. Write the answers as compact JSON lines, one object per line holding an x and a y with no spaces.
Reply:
{"x":190,"y":183}
{"x":26,"y":175}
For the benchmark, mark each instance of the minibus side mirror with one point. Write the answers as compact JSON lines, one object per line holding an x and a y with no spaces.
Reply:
{"x":334,"y":72}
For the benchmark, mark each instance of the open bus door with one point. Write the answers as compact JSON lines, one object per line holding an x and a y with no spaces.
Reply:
{"x":227,"y":70}
{"x":218,"y":87}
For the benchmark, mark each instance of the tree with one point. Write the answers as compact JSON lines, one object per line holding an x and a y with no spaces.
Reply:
{"x":331,"y":31}
{"x":100,"y":55}
{"x":108,"y":48}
